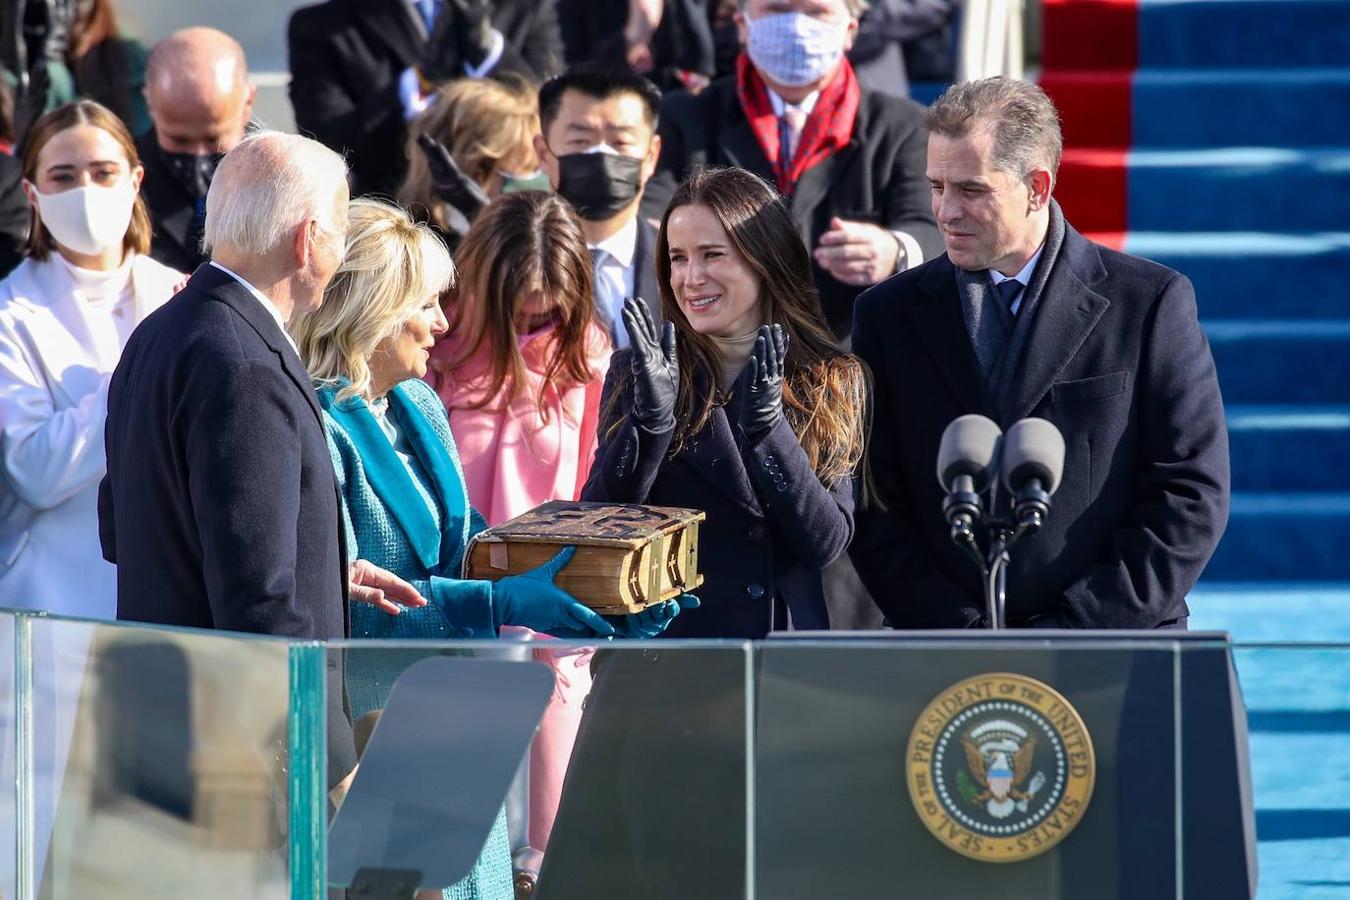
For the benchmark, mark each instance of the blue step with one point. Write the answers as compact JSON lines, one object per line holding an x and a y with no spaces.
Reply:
{"x":1238,"y":189}
{"x":1285,"y":537}
{"x":1289,"y":448}
{"x":1263,"y":361}
{"x":1241,"y":108}
{"x":1261,"y":275}
{"x":1226,"y":34}
{"x":1273,"y":611}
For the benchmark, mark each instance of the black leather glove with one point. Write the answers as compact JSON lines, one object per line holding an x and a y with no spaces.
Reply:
{"x":656,"y":371}
{"x":762,"y":405}
{"x":451,"y":184}
{"x":461,"y":35}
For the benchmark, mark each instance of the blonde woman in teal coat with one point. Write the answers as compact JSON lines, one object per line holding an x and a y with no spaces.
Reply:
{"x":405,"y":507}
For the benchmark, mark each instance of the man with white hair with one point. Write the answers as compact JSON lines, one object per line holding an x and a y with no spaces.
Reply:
{"x":200,"y":102}
{"x":220,"y":506}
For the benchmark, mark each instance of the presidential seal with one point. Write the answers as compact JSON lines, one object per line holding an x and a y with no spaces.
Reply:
{"x":1000,"y":767}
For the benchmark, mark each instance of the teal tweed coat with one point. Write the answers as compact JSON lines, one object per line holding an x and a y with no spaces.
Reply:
{"x":417,"y":528}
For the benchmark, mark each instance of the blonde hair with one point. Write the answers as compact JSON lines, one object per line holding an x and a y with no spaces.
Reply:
{"x":481,"y":122}
{"x":392,"y":264}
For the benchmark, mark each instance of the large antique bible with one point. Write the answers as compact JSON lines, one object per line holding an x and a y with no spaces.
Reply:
{"x":628,"y":556}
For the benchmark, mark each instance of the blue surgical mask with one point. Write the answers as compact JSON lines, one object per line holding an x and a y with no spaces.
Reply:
{"x":795,"y":49}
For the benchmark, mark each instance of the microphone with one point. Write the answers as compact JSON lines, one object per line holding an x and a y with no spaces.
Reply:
{"x":965,"y":466}
{"x":1033,"y":463}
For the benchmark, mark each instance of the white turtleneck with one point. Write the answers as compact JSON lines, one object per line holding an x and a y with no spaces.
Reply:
{"x":106,"y":298}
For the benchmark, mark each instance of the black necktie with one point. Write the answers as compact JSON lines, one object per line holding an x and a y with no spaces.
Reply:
{"x":1008,"y":292}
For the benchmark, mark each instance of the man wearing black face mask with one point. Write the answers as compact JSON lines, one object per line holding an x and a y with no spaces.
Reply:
{"x":599,"y":147}
{"x":200,"y":101}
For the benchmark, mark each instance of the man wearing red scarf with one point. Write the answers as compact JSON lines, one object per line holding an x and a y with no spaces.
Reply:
{"x":849,"y":161}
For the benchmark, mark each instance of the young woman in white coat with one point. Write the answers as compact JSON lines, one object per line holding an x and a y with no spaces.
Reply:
{"x":65,"y":314}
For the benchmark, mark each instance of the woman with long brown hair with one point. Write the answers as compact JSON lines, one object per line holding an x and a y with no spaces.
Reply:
{"x":744,"y":407}
{"x":520,"y":371}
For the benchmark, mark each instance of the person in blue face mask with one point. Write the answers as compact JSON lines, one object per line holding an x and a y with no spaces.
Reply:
{"x":200,"y":103}
{"x":599,"y":146}
{"x":849,"y":161}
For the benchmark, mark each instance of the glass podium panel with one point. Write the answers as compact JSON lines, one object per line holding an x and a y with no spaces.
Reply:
{"x":9,"y":796}
{"x":159,"y":762}
{"x":959,"y":765}
{"x":630,"y":763}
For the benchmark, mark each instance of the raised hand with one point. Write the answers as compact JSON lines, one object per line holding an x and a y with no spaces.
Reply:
{"x":451,"y":184}
{"x":656,"y":370}
{"x":533,"y":600}
{"x":763,"y":402}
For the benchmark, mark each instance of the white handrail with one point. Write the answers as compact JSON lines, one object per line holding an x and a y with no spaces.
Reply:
{"x":991,"y":39}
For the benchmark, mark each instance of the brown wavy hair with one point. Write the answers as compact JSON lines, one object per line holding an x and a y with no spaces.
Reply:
{"x":484,"y":123}
{"x":825,"y":389}
{"x":521,"y":242}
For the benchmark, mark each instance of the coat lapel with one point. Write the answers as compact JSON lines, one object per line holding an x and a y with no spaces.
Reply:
{"x":713,"y":454}
{"x":393,"y":23}
{"x":644,"y":264}
{"x":446,"y":477}
{"x":811,"y":188}
{"x":388,"y":477}
{"x":936,"y":313}
{"x":1067,"y":312}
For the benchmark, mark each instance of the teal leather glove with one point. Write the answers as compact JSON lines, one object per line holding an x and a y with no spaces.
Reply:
{"x":653,"y":620}
{"x":534,"y":601}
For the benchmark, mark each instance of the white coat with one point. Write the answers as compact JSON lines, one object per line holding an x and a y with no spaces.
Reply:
{"x":54,"y":374}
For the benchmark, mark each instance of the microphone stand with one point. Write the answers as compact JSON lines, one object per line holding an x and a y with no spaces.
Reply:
{"x":1000,"y":536}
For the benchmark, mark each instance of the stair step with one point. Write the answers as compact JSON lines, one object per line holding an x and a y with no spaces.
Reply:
{"x":1257,"y":274}
{"x":1285,"y":537}
{"x":1293,"y":361}
{"x":1238,"y":189}
{"x":1223,"y":33}
{"x":1289,"y":448}
{"x":1228,"y":107}
{"x":1274,"y":612}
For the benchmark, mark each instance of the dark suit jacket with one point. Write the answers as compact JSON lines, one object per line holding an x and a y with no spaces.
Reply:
{"x":771,"y":527}
{"x":878,"y":178}
{"x":345,"y":60}
{"x":172,"y":210}
{"x":593,"y":30}
{"x":1118,"y":362}
{"x":645,"y":282}
{"x":220,"y":507}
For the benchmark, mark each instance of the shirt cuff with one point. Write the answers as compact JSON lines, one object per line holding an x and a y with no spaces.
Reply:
{"x":410,"y":94}
{"x":483,"y":69}
{"x":911,"y":253}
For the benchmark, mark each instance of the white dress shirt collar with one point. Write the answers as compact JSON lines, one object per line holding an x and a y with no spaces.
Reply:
{"x":266,"y":303}
{"x":622,"y":244}
{"x":807,"y":104}
{"x":1024,"y":275}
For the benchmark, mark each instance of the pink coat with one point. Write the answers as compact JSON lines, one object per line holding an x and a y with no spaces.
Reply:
{"x":515,"y":458}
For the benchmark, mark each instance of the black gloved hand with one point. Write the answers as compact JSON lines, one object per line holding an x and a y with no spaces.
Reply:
{"x":656,"y":371}
{"x":451,"y":184}
{"x":461,"y":35}
{"x":763,"y":402}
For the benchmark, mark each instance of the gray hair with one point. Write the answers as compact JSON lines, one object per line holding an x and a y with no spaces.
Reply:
{"x":268,"y":186}
{"x":1025,"y":121}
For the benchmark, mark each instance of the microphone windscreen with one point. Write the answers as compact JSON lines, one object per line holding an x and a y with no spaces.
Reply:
{"x":1033,"y":448}
{"x":969,"y":447}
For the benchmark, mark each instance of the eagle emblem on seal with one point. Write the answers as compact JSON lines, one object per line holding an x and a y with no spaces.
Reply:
{"x":999,"y":758}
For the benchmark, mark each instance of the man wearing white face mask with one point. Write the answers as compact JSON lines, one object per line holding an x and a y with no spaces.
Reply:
{"x":849,"y":161}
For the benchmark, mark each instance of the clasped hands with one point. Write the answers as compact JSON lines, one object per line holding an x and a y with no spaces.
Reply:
{"x":857,"y":253}
{"x":656,"y":374}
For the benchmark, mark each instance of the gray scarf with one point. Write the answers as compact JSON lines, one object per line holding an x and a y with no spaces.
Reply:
{"x":996,"y":335}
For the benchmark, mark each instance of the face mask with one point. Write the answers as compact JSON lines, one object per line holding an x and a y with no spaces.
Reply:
{"x":599,"y":182}
{"x":91,"y":219}
{"x":193,"y":171}
{"x":795,"y":49}
{"x":535,"y":181}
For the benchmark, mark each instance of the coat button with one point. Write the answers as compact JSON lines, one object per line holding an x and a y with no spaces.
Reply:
{"x":755,"y":591}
